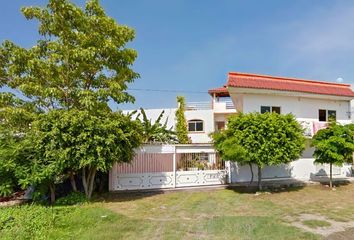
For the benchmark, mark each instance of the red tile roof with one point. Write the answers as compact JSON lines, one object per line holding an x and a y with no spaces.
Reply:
{"x":247,"y":80}
{"x":221,"y":91}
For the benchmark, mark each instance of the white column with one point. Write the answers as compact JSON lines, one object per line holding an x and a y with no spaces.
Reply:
{"x":174,"y":167}
{"x":229,"y":174}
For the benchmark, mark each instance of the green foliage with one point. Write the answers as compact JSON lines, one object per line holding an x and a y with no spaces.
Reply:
{"x":15,"y":158}
{"x":261,"y":139}
{"x":74,"y":198}
{"x":77,"y":140}
{"x":79,"y":64}
{"x":80,"y":61}
{"x":334,"y":144}
{"x":16,"y":114}
{"x":316,"y":223}
{"x":156,"y":132}
{"x":181,"y":122}
{"x":26,"y":222}
{"x":58,"y":222}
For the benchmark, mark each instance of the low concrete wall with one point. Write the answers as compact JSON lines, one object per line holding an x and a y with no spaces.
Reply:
{"x":303,"y":169}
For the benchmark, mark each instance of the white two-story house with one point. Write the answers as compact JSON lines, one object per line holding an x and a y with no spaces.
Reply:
{"x":313,"y":103}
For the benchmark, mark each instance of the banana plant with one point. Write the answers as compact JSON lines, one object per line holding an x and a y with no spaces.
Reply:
{"x":156,"y":132}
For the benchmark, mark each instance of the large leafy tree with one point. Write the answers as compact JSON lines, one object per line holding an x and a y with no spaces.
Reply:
{"x":260,"y":139}
{"x":156,"y":132}
{"x":77,"y":140}
{"x":181,"y":122}
{"x":80,"y":61}
{"x":334,"y":145}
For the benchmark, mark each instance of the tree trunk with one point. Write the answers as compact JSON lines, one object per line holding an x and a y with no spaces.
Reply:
{"x":250,"y":164}
{"x":52,"y":193}
{"x":330,"y":175}
{"x":259,"y":178}
{"x":91,"y":182}
{"x":72,"y":181}
{"x":84,"y":181}
{"x":88,"y":179}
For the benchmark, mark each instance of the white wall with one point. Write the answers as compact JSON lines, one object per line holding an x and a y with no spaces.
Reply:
{"x":304,"y":108}
{"x":303,"y":169}
{"x":208,"y":118}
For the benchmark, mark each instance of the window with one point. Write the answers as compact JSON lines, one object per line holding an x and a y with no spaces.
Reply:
{"x":276,"y":109}
{"x":322,"y":115}
{"x":327,"y":115}
{"x":332,"y":115}
{"x":195,"y":126}
{"x":265,"y":109}
{"x":220,"y":126}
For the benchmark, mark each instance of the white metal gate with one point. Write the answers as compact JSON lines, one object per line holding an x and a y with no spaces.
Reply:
{"x":169,"y":166}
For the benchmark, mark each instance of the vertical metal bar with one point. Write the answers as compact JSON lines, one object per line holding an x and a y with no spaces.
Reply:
{"x":174,"y":168}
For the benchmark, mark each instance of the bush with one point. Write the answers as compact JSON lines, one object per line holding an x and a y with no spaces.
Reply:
{"x":73,"y":198}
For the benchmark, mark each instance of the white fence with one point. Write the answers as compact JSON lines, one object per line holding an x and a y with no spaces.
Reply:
{"x":169,"y":166}
{"x":303,"y":169}
{"x":173,"y":166}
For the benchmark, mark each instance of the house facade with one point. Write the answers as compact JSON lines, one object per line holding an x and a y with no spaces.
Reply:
{"x":202,"y":118}
{"x":313,"y":103}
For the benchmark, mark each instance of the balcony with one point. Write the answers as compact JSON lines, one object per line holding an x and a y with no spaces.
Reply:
{"x":224,"y":107}
{"x":218,"y":107}
{"x":193,"y":106}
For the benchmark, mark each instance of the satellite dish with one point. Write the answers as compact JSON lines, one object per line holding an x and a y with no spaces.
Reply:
{"x":339,"y":80}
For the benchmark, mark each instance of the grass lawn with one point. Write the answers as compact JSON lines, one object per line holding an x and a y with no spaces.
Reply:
{"x":316,"y":223}
{"x":198,"y":214}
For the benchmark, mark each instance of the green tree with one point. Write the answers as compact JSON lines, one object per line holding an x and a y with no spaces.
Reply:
{"x":260,"y":139}
{"x":181,"y":122}
{"x":333,"y":145}
{"x":9,"y":144}
{"x":15,"y":118}
{"x":156,"y":132}
{"x":80,"y":61}
{"x":79,"y":141}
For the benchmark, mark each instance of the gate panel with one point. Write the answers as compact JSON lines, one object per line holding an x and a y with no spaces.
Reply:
{"x":145,"y":181}
{"x":199,"y":169}
{"x":156,"y":167}
{"x":200,"y":178}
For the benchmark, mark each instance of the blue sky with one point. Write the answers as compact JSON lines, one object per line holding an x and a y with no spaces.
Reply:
{"x":191,"y":45}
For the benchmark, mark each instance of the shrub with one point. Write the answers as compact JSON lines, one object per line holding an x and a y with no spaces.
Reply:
{"x":73,"y":198}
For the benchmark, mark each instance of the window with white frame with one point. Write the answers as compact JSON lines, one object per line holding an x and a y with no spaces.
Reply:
{"x":195,"y":125}
{"x":265,"y":109}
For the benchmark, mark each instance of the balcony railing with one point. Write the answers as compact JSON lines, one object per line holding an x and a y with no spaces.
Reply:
{"x":229,"y":105}
{"x":218,"y":106}
{"x":191,"y":106}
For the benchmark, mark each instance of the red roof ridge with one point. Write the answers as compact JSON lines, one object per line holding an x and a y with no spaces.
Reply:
{"x":289,"y":79}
